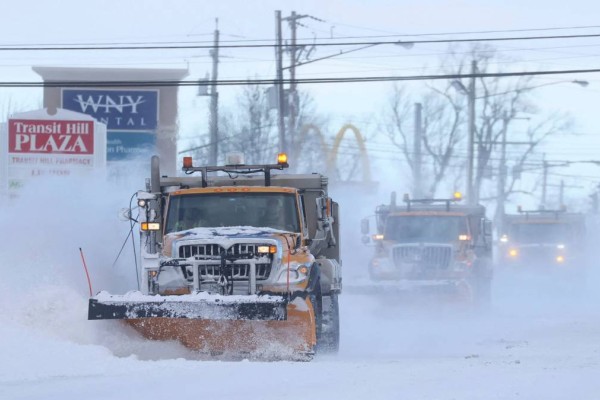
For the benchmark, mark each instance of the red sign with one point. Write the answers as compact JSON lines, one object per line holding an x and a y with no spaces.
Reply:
{"x":50,"y":136}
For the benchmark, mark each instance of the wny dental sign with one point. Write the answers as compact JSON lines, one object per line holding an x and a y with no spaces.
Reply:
{"x":118,"y":109}
{"x":44,"y":136}
{"x":131,"y":117}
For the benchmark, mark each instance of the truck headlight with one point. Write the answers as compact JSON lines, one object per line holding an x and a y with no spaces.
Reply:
{"x":272,"y":249}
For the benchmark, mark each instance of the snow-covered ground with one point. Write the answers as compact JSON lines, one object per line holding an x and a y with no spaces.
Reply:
{"x":540,"y":340}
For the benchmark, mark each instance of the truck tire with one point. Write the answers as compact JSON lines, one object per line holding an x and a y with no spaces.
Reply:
{"x":316,"y":298}
{"x":330,"y":335}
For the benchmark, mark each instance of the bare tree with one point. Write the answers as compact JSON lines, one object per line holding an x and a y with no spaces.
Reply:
{"x":535,"y":135}
{"x":499,"y":101}
{"x":441,"y":133}
{"x":252,"y":131}
{"x":311,"y":142}
{"x":251,"y":128}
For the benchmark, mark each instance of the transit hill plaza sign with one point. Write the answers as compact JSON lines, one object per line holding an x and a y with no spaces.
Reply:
{"x":38,"y":143}
{"x":131,"y":117}
{"x":46,"y":136}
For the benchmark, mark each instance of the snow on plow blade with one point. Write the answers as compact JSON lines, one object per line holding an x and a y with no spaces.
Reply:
{"x":202,"y":306}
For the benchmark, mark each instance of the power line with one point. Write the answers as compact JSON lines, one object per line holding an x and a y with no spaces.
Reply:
{"x":195,"y":45}
{"x":390,"y":35}
{"x":242,"y":82}
{"x":459,"y":32}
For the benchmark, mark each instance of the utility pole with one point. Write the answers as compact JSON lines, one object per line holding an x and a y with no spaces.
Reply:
{"x":214,"y":100}
{"x":561,"y":193}
{"x":473,"y":198}
{"x":502,"y":178}
{"x":292,"y":99}
{"x":279,"y":82}
{"x":292,"y":103}
{"x":544,"y":182}
{"x":417,"y":161}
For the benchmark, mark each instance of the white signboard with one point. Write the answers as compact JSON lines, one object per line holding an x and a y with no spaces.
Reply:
{"x":39,"y":144}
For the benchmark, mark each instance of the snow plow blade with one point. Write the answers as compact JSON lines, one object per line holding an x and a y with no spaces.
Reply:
{"x":206,"y":307}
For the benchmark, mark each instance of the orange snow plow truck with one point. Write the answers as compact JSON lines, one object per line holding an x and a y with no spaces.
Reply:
{"x":235,"y":260}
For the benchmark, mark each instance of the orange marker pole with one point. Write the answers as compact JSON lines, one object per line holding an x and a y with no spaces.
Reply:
{"x":87,"y":274}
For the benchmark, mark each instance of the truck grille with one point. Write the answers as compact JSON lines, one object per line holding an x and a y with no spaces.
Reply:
{"x":239,"y":272}
{"x":191,"y":250}
{"x":425,"y":256}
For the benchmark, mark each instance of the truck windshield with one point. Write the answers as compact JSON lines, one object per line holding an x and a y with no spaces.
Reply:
{"x":541,"y":233}
{"x":436,"y":229}
{"x":260,"y":210}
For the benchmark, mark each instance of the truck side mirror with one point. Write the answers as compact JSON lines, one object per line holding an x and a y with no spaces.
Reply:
{"x":320,"y":208}
{"x":364,"y":226}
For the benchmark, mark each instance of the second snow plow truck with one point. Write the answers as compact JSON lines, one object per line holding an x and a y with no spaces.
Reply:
{"x":239,"y":263}
{"x":432,"y":245}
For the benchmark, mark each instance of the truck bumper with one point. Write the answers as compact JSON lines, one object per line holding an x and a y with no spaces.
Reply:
{"x":208,"y":307}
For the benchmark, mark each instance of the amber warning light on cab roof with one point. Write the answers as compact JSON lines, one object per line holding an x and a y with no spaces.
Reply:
{"x":282,"y":158}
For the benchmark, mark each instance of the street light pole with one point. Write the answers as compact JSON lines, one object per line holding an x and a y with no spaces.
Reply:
{"x":472,"y":198}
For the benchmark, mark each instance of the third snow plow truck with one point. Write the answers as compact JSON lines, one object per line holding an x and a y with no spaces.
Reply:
{"x":238,"y":263}
{"x":432,"y":245}
{"x":544,"y":240}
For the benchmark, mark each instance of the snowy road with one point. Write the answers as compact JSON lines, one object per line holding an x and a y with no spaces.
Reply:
{"x":523,"y":349}
{"x":540,"y":340}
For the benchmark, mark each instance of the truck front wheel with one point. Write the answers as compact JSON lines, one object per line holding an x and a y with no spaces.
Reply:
{"x":330,"y":334}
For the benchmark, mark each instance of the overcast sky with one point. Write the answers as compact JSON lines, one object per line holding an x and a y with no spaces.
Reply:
{"x":112,"y":21}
